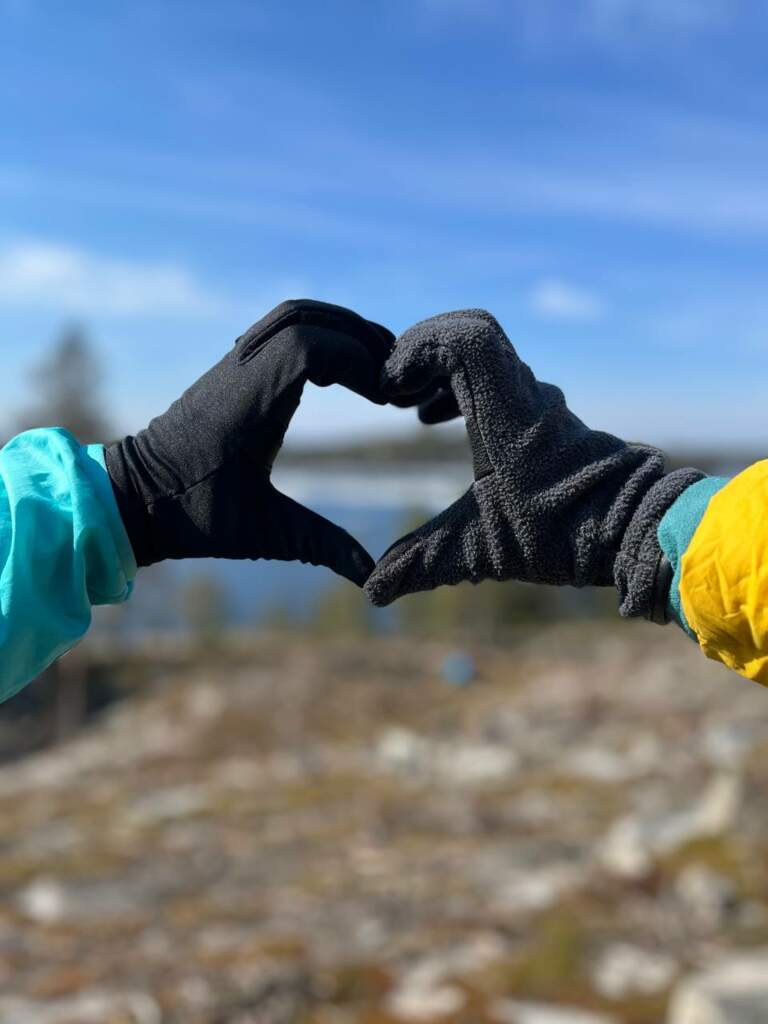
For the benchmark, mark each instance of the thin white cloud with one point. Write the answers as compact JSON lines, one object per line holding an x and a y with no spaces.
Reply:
{"x":463,"y":8}
{"x":740,"y":317}
{"x":50,"y":275}
{"x":561,"y":300}
{"x":683,"y":172}
{"x":546,"y":24}
{"x":611,"y":16}
{"x":12,"y":8}
{"x":679,"y":196}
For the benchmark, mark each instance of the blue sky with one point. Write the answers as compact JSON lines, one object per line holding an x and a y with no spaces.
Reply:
{"x":593,"y":172}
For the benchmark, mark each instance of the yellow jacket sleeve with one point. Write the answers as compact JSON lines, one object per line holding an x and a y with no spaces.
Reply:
{"x":724,"y":575}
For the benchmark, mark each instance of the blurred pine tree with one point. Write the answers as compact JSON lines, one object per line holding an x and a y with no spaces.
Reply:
{"x":67,"y":385}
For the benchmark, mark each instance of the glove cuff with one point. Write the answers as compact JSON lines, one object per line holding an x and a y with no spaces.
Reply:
{"x":662,"y":581}
{"x":642,"y":572}
{"x":121,"y":462}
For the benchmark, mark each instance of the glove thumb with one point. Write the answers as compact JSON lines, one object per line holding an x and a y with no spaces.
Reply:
{"x":448,"y":549}
{"x":308,"y":537}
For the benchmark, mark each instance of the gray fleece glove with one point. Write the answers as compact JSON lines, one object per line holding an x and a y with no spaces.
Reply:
{"x":552,"y":501}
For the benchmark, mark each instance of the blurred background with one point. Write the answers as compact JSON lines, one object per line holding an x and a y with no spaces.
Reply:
{"x":248,"y":796}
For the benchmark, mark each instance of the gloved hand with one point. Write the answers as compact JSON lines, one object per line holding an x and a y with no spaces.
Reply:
{"x":196,"y":482}
{"x":552,"y":501}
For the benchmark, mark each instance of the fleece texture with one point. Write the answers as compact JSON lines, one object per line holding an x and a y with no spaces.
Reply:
{"x":196,"y":483}
{"x":552,"y":501}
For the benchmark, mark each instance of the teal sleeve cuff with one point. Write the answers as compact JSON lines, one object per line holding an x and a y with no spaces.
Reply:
{"x":676,"y":532}
{"x":63,"y":548}
{"x":116,"y":584}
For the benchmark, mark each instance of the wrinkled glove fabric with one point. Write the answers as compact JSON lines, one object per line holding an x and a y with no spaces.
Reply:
{"x":196,"y":482}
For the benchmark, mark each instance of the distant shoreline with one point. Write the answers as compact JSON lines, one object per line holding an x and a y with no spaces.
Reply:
{"x":434,"y":451}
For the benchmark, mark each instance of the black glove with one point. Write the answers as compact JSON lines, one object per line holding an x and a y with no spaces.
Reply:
{"x":552,"y":501}
{"x":196,"y":483}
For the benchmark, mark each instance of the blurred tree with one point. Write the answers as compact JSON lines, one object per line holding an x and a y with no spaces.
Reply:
{"x":343,"y":611}
{"x":206,"y":611}
{"x":484,"y":612}
{"x":67,"y":385}
{"x":278,"y":618}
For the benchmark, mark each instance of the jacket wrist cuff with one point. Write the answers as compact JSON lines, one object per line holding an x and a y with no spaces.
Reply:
{"x":640,"y":574}
{"x":676,"y":531}
{"x":133,"y":510}
{"x":95,"y":469}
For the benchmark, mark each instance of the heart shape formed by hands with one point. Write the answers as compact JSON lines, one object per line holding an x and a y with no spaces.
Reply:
{"x":552,"y":501}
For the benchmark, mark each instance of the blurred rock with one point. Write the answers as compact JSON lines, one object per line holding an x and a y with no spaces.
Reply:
{"x":402,"y":750}
{"x":44,"y":900}
{"x":340,"y":838}
{"x":167,"y":804}
{"x":425,"y":992}
{"x":623,"y":970}
{"x":728,"y":743}
{"x":719,"y":808}
{"x":624,"y":851}
{"x":453,"y":762}
{"x":420,"y":1001}
{"x":707,"y":897}
{"x":634,"y":842}
{"x":511,"y":1011}
{"x":603,"y":764}
{"x":536,"y":888}
{"x":88,"y":1008}
{"x":734,"y":991}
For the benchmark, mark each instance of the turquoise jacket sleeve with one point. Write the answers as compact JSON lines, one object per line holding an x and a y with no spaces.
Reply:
{"x":676,"y":531}
{"x":63,"y":548}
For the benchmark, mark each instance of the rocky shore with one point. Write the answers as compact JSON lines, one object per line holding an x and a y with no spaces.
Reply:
{"x":332,"y":834}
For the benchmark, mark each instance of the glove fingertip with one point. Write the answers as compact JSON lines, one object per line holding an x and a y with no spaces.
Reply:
{"x":391,"y":383}
{"x":348,"y":559}
{"x":440,"y":408}
{"x":378,"y":592}
{"x":359,"y":566}
{"x":387,"y":582}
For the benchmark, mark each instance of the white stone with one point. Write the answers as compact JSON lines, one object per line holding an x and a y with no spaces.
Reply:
{"x":407,"y":753}
{"x":425,"y":991}
{"x":720,"y":804}
{"x":168,"y":805}
{"x":635,"y":841}
{"x":623,"y":970}
{"x":470,"y":763}
{"x":93,"y":1007}
{"x":206,"y":702}
{"x":727,"y":744}
{"x":705,"y":895}
{"x":535,"y":889}
{"x":426,"y":1004}
{"x":735,"y":991}
{"x":601,"y":764}
{"x":623,"y":851}
{"x":512,"y":1011}
{"x":401,"y":749}
{"x":43,"y":900}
